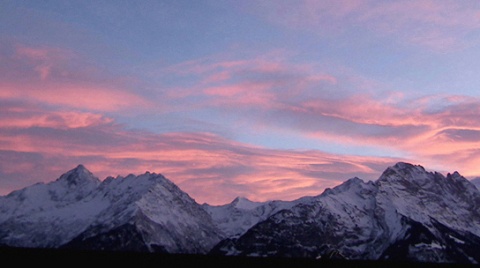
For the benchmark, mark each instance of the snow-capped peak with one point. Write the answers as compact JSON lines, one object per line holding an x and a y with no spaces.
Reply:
{"x":406,"y":207}
{"x":77,"y":176}
{"x":403,"y":171}
{"x":422,"y":195}
{"x":462,"y":184}
{"x":78,"y":207}
{"x":244,"y":203}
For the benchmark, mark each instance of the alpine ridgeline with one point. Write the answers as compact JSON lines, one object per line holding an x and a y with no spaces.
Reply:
{"x":408,"y":214}
{"x":133,"y":213}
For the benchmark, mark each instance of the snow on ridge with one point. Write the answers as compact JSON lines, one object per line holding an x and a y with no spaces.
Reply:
{"x":64,"y":208}
{"x":392,"y":196}
{"x":422,"y":195}
{"x":246,"y":204}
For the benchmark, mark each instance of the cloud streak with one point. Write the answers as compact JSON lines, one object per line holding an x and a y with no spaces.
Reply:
{"x":438,"y":25}
{"x":298,"y":98}
{"x":77,"y":96}
{"x":201,"y":163}
{"x":47,"y":76}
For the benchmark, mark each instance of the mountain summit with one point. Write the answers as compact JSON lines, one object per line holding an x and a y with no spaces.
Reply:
{"x":409,"y":214}
{"x":78,"y":175}
{"x":134,"y":213}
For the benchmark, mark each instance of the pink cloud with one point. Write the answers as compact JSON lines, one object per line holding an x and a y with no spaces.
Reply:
{"x":226,"y":91}
{"x":258,"y":81}
{"x":451,"y":131}
{"x":202,"y":66}
{"x":201,"y":163}
{"x":241,"y":95}
{"x":58,"y":77}
{"x":440,"y":25}
{"x":298,"y":98}
{"x":95,"y":97}
{"x":42,"y":60}
{"x":204,"y":163}
{"x":217,"y":77}
{"x":28,"y":116}
{"x":282,"y":95}
{"x":33,"y":53}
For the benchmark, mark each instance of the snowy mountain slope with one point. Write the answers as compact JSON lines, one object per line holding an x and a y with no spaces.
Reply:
{"x":76,"y":209}
{"x":46,"y":215}
{"x":420,"y":195}
{"x":408,"y":213}
{"x":241,"y":214}
{"x":343,"y":216}
{"x":476,"y":182}
{"x":156,"y":210}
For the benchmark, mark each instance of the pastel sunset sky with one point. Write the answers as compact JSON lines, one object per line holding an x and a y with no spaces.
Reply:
{"x":262,"y":99}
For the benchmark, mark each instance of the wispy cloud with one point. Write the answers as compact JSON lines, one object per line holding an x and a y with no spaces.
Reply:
{"x":363,"y":77}
{"x":15,"y":116}
{"x":57,"y":77}
{"x":201,"y":163}
{"x":298,"y":98}
{"x":76,"y":96}
{"x":439,"y":25}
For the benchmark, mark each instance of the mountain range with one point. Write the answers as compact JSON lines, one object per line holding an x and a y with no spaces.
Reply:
{"x":407,"y":214}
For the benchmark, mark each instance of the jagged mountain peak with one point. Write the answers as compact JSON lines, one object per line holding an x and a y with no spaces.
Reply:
{"x":244,"y":203}
{"x":403,"y":170}
{"x":139,"y":183}
{"x":147,"y":176}
{"x":410,"y":176}
{"x":408,"y":213}
{"x":422,"y":195}
{"x":459,"y":179}
{"x":162,"y":216}
{"x":462,"y":185}
{"x":416,"y":178}
{"x":405,"y":165}
{"x":155,"y":177}
{"x":144,"y":212}
{"x":133,"y":188}
{"x":77,"y":176}
{"x":354,"y":184}
{"x":456,"y":177}
{"x":353,"y":181}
